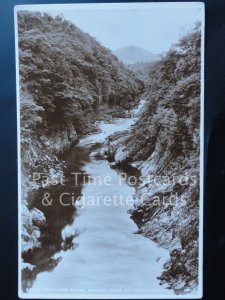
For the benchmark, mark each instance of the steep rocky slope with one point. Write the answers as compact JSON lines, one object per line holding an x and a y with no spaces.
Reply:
{"x":164,"y":146}
{"x":67,"y":81}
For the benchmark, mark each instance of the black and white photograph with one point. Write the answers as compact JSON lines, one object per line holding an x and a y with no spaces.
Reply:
{"x":110,"y":108}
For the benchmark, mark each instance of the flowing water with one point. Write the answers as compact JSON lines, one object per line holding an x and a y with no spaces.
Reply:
{"x":105,"y":257}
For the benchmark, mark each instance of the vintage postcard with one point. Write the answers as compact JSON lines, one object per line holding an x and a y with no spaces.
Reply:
{"x":110,"y":150}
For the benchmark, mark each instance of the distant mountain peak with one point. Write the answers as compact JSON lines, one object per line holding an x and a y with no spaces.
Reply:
{"x":132,"y":54}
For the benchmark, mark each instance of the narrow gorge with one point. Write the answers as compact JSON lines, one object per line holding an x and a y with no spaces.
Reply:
{"x":84,"y":111}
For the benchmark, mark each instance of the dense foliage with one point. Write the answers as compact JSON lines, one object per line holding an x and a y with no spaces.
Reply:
{"x":65,"y":77}
{"x":172,"y":110}
{"x":165,"y":142}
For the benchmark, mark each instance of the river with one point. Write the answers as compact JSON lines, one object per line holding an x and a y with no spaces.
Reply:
{"x":103,"y":257}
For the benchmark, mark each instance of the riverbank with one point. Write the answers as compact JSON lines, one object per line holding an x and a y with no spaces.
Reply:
{"x":52,"y":153}
{"x":100,"y":240}
{"x":44,"y":155}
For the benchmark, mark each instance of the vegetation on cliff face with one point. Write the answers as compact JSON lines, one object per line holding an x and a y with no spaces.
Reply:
{"x":67,"y":81}
{"x":164,"y":145}
{"x":66,"y":77}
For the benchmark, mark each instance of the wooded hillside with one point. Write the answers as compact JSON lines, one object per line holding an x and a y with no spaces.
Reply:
{"x":165,"y":143}
{"x":66,"y":77}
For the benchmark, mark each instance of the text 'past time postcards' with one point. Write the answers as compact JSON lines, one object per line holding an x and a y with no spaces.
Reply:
{"x":110,"y":150}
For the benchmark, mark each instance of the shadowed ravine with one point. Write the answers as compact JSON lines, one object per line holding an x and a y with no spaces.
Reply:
{"x":96,"y":251}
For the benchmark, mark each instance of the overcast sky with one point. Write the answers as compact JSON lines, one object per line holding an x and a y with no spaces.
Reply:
{"x":154,"y":27}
